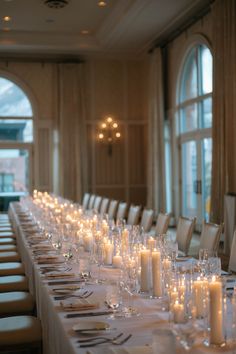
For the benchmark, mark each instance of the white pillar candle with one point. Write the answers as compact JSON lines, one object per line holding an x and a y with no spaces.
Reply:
{"x":178,"y":312}
{"x":151,"y":243}
{"x":200,"y":296}
{"x":145,"y":270}
{"x":156,"y":273}
{"x":125,"y":240}
{"x":108,"y":253}
{"x":166,"y":264}
{"x":117,"y":261}
{"x":216,"y":312}
{"x":88,"y":242}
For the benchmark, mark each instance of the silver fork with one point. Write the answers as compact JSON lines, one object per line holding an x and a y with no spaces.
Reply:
{"x":105,"y":339}
{"x":114,"y":341}
{"x":85,"y":295}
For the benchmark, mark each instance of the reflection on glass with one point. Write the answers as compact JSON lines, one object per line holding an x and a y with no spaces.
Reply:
{"x":206,"y":65}
{"x":207,"y":113}
{"x":189,"y":82}
{"x":20,"y":130}
{"x":206,"y":176}
{"x":14,"y":174}
{"x":13,"y":101}
{"x":189,"y":117}
{"x":189,"y":173}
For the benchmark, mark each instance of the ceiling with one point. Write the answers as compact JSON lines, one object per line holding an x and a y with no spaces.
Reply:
{"x":122,"y":27}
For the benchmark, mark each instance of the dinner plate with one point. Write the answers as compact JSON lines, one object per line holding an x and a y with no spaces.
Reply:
{"x":91,"y":327}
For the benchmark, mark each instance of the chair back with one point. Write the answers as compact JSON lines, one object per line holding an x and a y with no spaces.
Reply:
{"x":122,"y":210}
{"x":162,"y":224}
{"x":112,"y":209}
{"x":232,"y":258}
{"x":133,"y":215}
{"x":184,"y":233}
{"x":104,"y":206}
{"x":97,"y":203}
{"x":210,"y":236}
{"x":146,"y":220}
{"x":91,"y":201}
{"x":85,"y":201}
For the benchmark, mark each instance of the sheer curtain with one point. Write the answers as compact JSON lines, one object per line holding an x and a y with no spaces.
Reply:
{"x":72,"y":141}
{"x":224,"y":105}
{"x":156,"y":168}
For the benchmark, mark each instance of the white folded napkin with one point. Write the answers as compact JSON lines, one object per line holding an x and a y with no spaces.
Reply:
{"x":49,"y":258}
{"x":59,"y":274}
{"x":144,"y":349}
{"x":78,"y":304}
{"x":42,"y":247}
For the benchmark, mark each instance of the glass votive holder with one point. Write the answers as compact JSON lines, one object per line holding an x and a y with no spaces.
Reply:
{"x":163,"y":341}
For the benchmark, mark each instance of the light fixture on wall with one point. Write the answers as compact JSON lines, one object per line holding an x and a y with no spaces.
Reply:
{"x":109,"y":132}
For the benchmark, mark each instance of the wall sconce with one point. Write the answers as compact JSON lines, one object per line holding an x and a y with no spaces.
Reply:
{"x":109,"y":133}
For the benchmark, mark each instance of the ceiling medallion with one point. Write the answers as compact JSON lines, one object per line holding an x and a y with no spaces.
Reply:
{"x":56,"y":4}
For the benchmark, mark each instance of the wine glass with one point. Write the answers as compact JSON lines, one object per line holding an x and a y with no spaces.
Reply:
{"x":114,"y":299}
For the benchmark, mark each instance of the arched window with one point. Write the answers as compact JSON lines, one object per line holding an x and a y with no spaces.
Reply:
{"x":16,"y":138}
{"x":195,"y":121}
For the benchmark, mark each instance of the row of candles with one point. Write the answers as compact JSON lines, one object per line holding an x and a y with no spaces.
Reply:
{"x":188,"y":294}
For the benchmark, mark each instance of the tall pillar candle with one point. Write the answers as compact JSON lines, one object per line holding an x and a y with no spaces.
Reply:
{"x":156,"y":273}
{"x":216,"y":312}
{"x":145,"y":270}
{"x":200,"y":296}
{"x":108,"y":253}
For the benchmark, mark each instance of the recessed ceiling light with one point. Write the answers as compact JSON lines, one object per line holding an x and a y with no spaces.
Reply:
{"x":7,"y":18}
{"x":84,"y":31}
{"x":102,"y":3}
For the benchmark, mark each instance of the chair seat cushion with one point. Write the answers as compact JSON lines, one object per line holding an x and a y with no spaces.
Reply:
{"x":5,"y":228}
{"x":19,"y":330}
{"x":7,"y":248}
{"x":16,"y":302}
{"x":10,"y":256}
{"x":7,"y":241}
{"x":7,"y":234}
{"x":13,"y":283}
{"x":11,"y":268}
{"x":5,"y":224}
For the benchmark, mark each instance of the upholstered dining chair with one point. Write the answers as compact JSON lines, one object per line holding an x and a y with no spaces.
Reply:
{"x":85,"y":201}
{"x":147,"y":219}
{"x":97,"y":203}
{"x":91,"y":201}
{"x":112,"y":209}
{"x":104,"y":206}
{"x":133,"y":215}
{"x":162,"y":223}
{"x":121,"y":211}
{"x":184,"y":232}
{"x":210,"y":236}
{"x":19,"y":334}
{"x":232,"y":257}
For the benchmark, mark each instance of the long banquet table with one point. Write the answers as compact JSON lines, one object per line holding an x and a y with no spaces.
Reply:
{"x":58,"y":335}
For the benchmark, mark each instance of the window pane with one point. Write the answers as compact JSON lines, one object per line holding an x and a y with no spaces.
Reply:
{"x":189,"y":175}
{"x":206,"y":176}
{"x":189,"y":118}
{"x":20,"y":130}
{"x":13,"y":101}
{"x":189,"y":80}
{"x":207,"y":113}
{"x":14,"y":170}
{"x":206,"y":65}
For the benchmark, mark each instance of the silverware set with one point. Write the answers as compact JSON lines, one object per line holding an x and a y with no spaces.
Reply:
{"x":84,"y":295}
{"x":92,"y":342}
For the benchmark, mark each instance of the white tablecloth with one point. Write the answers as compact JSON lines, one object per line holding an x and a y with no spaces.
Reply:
{"x":58,"y":335}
